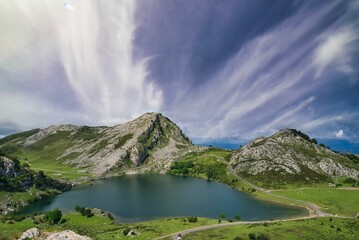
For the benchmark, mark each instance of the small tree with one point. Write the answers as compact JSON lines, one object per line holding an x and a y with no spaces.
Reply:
{"x":237,"y":217}
{"x":54,"y":216}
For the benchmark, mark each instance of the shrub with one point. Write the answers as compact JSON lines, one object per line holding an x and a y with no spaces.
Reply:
{"x":41,"y":173}
{"x":82,"y":211}
{"x":54,"y":216}
{"x":77,"y":208}
{"x":110,"y":216}
{"x":88,"y":212}
{"x":263,"y":237}
{"x":252,"y":236}
{"x":64,"y":220}
{"x":237,"y":217}
{"x":192,"y":219}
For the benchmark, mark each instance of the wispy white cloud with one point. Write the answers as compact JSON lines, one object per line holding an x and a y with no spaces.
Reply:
{"x":270,"y":84}
{"x":335,"y":50}
{"x":87,"y":54}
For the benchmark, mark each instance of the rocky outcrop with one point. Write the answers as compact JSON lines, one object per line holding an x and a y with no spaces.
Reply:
{"x":67,"y":235}
{"x":30,"y":234}
{"x":293,"y":154}
{"x":35,"y":233}
{"x":8,"y":168}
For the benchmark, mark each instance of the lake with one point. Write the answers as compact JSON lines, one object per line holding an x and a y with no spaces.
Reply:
{"x":137,"y":198}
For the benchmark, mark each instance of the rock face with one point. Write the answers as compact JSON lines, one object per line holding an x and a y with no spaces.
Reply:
{"x":290,"y":155}
{"x":149,"y":143}
{"x":14,"y":177}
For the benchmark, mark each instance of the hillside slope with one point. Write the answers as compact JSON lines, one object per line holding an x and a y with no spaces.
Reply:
{"x":20,"y":184}
{"x":290,"y":156}
{"x":149,"y":143}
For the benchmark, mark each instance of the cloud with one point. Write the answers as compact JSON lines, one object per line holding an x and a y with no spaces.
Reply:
{"x":73,"y":62}
{"x":335,"y":49}
{"x":268,"y":75}
{"x":340,"y":133}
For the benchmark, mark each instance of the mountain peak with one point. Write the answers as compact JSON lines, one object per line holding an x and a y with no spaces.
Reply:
{"x":292,"y":133}
{"x":290,"y":155}
{"x":149,"y":142}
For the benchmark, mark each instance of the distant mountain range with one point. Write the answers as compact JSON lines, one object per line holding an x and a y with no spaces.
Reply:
{"x":152,"y":143}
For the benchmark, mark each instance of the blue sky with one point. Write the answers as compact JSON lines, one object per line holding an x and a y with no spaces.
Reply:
{"x":220,"y":69}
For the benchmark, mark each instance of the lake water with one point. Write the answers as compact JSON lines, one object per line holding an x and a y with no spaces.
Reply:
{"x":145,"y":197}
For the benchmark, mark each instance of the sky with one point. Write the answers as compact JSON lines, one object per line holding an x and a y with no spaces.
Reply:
{"x":224,"y":69}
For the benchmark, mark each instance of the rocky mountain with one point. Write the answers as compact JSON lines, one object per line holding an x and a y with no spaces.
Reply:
{"x":14,"y":177}
{"x":290,"y":156}
{"x":149,"y":143}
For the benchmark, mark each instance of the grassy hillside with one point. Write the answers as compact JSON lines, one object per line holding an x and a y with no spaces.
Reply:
{"x":321,"y":228}
{"x":331,"y":200}
{"x":209,"y":164}
{"x":98,"y":227}
{"x":103,"y":228}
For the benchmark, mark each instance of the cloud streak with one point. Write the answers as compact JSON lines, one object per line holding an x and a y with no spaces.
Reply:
{"x":87,"y":53}
{"x":234,"y":69}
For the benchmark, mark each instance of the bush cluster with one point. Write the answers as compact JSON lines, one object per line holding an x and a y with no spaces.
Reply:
{"x":84,"y":211}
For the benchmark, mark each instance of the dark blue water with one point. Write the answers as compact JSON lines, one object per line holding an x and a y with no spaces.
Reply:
{"x":145,"y":197}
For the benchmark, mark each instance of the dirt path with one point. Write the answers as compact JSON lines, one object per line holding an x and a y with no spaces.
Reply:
{"x":313,"y":209}
{"x":314,"y":188}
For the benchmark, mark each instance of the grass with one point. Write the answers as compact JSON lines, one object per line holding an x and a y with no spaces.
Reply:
{"x":53,"y":168}
{"x":123,"y":139}
{"x":15,"y":230}
{"x":208,"y":164}
{"x":43,"y":155}
{"x":320,"y":228}
{"x":21,"y":198}
{"x":331,"y":200}
{"x":103,"y":228}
